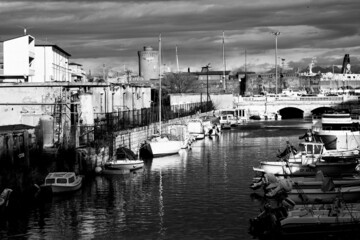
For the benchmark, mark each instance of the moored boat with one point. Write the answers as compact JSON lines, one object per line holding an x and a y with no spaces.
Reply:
{"x":195,"y":128}
{"x":160,"y":146}
{"x":61,"y":182}
{"x":337,"y":131}
{"x":333,"y":222}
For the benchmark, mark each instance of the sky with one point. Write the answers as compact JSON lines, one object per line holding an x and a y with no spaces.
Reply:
{"x":112,"y":32}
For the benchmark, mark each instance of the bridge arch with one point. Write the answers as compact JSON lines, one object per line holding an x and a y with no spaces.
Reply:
{"x":291,"y":112}
{"x":321,"y":110}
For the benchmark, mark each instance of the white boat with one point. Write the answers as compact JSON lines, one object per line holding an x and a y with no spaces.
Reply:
{"x":310,"y":182}
{"x":195,"y":128}
{"x":334,"y":169}
{"x":160,"y":146}
{"x":337,"y":131}
{"x":311,"y":158}
{"x":61,"y":182}
{"x":122,"y":165}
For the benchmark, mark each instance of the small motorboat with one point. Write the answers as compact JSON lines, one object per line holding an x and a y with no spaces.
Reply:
{"x":62,"y":182}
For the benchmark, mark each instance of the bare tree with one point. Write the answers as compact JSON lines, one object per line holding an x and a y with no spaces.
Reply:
{"x":180,"y":82}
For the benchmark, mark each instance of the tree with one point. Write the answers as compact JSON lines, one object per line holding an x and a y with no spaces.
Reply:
{"x":180,"y":82}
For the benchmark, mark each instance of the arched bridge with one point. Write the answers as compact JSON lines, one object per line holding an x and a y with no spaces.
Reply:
{"x":300,"y":106}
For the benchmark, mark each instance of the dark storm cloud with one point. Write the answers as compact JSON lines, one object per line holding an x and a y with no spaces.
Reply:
{"x":116,"y":30}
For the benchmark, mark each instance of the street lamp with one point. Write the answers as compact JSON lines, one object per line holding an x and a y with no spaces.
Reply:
{"x":207,"y":83}
{"x":276,"y":34}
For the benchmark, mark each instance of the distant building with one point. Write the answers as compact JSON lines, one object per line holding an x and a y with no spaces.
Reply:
{"x":204,"y":75}
{"x":17,"y":59}
{"x":148,"y":63}
{"x":77,"y":72}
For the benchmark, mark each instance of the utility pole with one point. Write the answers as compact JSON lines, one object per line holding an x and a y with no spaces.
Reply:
{"x":276,"y":35}
{"x":224,"y":63}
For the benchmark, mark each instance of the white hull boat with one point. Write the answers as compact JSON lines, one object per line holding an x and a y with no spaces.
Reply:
{"x":160,"y":147}
{"x":124,"y":165}
{"x":299,"y":169}
{"x":62,"y":182}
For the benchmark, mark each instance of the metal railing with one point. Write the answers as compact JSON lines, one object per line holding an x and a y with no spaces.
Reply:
{"x":106,"y":123}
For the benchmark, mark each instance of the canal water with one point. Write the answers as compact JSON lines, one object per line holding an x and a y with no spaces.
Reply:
{"x":202,"y":193}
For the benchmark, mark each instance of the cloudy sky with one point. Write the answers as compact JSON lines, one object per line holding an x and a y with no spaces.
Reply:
{"x":111,"y":32}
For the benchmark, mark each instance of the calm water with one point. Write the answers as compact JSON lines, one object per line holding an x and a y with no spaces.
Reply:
{"x":203,"y":193}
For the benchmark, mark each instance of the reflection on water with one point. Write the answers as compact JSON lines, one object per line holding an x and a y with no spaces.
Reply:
{"x":202,"y":193}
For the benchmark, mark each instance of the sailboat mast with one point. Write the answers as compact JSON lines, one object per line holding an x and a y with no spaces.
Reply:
{"x":224,"y":64}
{"x":177,"y":59}
{"x":160,"y":84}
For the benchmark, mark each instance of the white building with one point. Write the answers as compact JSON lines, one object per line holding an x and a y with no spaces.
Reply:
{"x":24,"y":59}
{"x":77,"y":72}
{"x":18,"y":59}
{"x":51,"y":63}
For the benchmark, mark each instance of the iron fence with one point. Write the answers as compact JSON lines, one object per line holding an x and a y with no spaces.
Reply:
{"x":106,"y":123}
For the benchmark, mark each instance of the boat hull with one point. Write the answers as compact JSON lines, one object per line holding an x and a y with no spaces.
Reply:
{"x":124,"y":165}
{"x":348,"y":194}
{"x":70,"y":188}
{"x":299,"y":169}
{"x":156,"y":149}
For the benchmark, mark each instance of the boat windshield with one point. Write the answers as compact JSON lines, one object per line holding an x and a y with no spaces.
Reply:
{"x":50,"y":181}
{"x":311,"y":148}
{"x":61,"y":180}
{"x":72,"y":179}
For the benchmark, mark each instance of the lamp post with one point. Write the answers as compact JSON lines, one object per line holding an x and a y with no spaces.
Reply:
{"x":207,"y":84}
{"x":276,"y":35}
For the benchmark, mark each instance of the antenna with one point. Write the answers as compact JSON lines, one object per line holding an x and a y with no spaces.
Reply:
{"x":177,"y":59}
{"x":24,"y":28}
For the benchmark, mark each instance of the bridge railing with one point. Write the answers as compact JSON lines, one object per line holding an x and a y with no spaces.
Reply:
{"x":288,"y":99}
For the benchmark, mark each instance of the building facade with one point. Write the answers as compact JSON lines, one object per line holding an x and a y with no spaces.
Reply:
{"x":18,"y":58}
{"x":51,"y":64}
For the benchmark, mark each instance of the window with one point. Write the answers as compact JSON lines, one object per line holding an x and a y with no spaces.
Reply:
{"x":61,"y":180}
{"x":50,"y":181}
{"x":72,"y":179}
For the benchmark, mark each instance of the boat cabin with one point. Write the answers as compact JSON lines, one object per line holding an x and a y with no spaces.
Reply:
{"x":311,"y":148}
{"x":60,"y":178}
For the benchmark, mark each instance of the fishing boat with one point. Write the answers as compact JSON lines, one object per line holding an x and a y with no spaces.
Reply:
{"x":283,"y":223}
{"x":62,"y":182}
{"x":195,"y":128}
{"x":337,"y":131}
{"x":160,"y":144}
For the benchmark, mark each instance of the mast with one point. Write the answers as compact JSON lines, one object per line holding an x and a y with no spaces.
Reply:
{"x":177,"y":59}
{"x":224,"y":64}
{"x":160,"y":84}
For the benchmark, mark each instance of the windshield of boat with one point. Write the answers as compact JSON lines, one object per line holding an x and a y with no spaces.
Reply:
{"x":50,"y":181}
{"x":72,"y":179}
